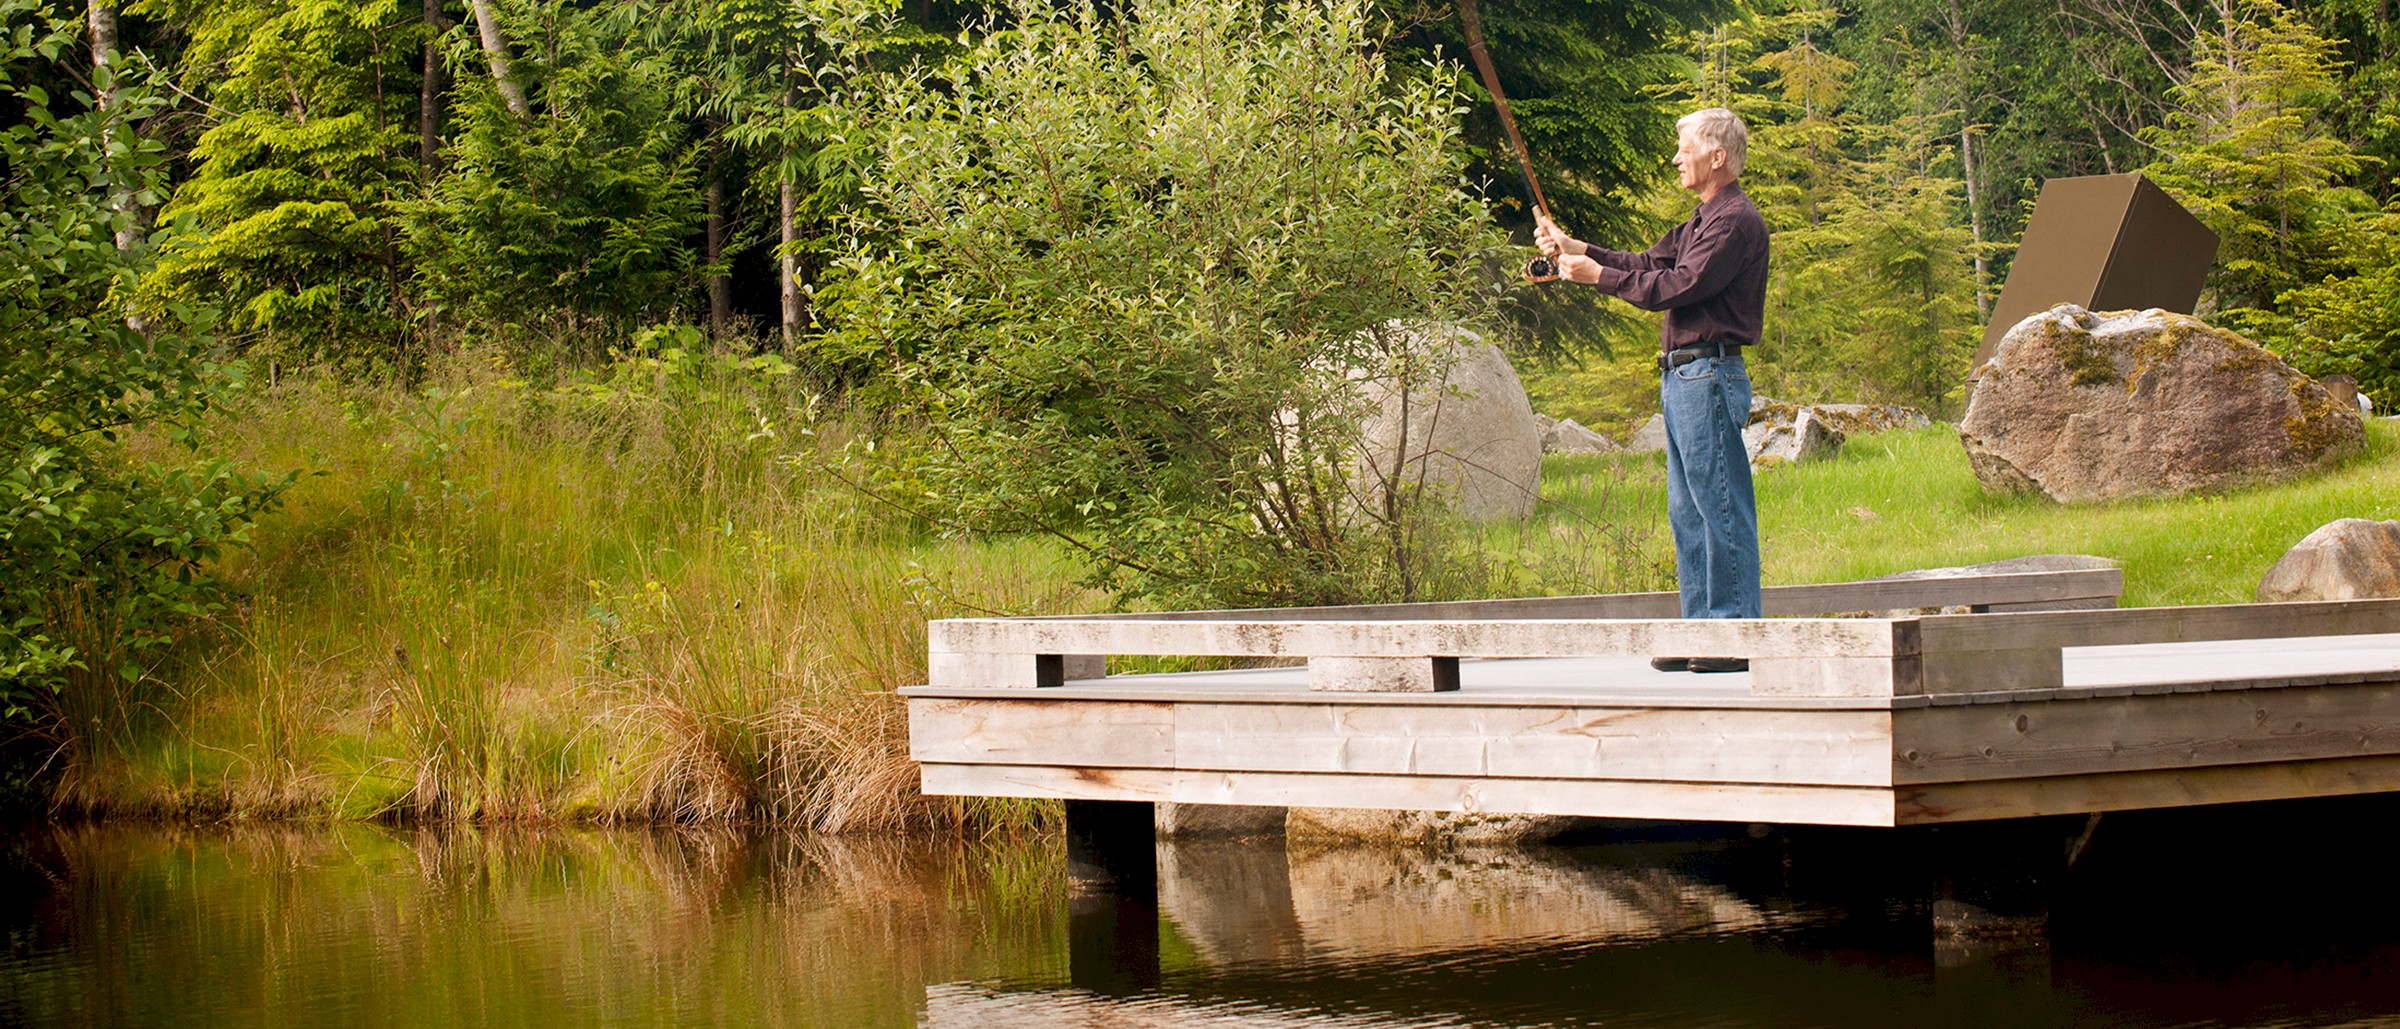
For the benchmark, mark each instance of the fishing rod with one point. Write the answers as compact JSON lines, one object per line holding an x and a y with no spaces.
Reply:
{"x":1472,"y":20}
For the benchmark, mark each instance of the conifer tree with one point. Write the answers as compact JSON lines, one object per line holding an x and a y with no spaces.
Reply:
{"x":2246,"y":151}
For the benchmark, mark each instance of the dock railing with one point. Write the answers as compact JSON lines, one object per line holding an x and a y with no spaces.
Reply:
{"x":2012,"y":643}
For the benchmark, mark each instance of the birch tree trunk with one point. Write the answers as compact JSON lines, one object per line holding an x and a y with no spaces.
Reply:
{"x":720,"y":294}
{"x":429,"y":94}
{"x":101,"y":19}
{"x":787,"y":262}
{"x":495,"y":50}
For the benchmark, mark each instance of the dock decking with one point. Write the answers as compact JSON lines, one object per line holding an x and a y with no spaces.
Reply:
{"x":1549,"y":706}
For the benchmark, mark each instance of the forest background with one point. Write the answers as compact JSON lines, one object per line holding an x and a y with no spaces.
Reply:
{"x":399,"y":391}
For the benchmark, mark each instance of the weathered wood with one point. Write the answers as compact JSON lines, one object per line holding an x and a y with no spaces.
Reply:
{"x":1695,"y":745}
{"x":1383,"y":674}
{"x":1039,"y":732}
{"x":1826,"y":747}
{"x":2137,"y":733}
{"x":2097,"y":587}
{"x":2122,"y":626}
{"x":1971,"y":671}
{"x":1835,"y":676}
{"x":1707,"y":802}
{"x":1004,"y":670}
{"x":2121,"y":791}
{"x":1267,"y":637}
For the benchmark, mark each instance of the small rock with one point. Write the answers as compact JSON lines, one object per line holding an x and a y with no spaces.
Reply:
{"x":1805,"y":437}
{"x":1565,"y":436}
{"x":1422,"y":826}
{"x":2343,"y":560}
{"x":1650,"y":438}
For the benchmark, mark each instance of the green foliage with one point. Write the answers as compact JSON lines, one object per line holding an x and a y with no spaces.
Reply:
{"x":296,"y":184}
{"x":1579,"y":76}
{"x":586,"y":208}
{"x":1127,"y":266}
{"x":2246,"y":151}
{"x":101,"y":561}
{"x":1876,"y":301}
{"x":2349,"y":322}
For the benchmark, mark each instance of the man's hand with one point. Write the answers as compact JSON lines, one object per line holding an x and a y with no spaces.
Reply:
{"x":1573,"y":268}
{"x":1553,"y":240}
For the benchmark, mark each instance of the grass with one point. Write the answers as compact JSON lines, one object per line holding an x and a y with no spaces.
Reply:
{"x":640,"y":596}
{"x":1906,"y":499}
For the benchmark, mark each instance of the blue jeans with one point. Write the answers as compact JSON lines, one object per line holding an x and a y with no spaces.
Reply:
{"x":1709,"y":502}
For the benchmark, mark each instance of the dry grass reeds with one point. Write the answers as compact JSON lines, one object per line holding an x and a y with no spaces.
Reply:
{"x":630,"y":596}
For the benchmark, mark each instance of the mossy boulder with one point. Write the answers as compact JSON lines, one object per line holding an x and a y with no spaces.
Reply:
{"x":2348,"y":559}
{"x":2090,"y":407}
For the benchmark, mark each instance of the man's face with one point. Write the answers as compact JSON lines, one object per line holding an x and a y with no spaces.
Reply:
{"x":1692,"y":160}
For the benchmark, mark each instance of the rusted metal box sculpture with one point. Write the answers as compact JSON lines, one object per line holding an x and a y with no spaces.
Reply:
{"x":2107,"y":242}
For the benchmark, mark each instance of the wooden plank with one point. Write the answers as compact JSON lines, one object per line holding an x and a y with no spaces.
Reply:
{"x":1383,"y":674}
{"x":1002,"y":670}
{"x":1796,"y":637}
{"x":1835,"y":676}
{"x":1673,"y":801}
{"x":2139,"y":733}
{"x":1834,"y":747}
{"x":1979,"y":671}
{"x":2123,"y":791}
{"x":2025,"y":590}
{"x":1831,"y":747}
{"x":1946,"y":633}
{"x":1041,"y":732}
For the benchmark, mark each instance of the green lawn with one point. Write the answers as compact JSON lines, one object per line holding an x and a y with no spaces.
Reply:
{"x":1906,"y":499}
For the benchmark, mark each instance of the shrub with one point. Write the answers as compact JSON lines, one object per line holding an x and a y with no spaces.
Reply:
{"x":1124,"y":264}
{"x":101,"y":560}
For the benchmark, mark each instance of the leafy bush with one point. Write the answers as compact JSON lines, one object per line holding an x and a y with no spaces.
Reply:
{"x":100,"y":561}
{"x":1125,"y":264}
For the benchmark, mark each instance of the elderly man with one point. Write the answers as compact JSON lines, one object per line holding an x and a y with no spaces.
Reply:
{"x":1710,"y":276}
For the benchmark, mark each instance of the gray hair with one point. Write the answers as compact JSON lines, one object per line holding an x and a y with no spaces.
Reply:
{"x":1721,"y":129}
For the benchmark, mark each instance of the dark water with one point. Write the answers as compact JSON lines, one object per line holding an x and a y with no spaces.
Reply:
{"x":2277,"y":916}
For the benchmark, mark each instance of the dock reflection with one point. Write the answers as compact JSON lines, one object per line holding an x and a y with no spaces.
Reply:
{"x":1259,"y":902}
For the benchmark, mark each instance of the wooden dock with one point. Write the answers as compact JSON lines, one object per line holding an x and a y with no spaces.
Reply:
{"x":2043,"y":698}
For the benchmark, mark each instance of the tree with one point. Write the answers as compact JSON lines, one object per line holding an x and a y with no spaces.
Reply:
{"x":101,"y":561}
{"x":1580,"y":76}
{"x":1125,"y":267}
{"x":297,"y":183}
{"x":2246,"y":151}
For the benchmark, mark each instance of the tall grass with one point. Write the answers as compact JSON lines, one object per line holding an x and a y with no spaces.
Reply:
{"x":629,"y":596}
{"x":637,"y":595}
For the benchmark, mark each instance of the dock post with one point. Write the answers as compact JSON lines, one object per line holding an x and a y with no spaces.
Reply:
{"x":1112,"y":896}
{"x":1993,"y":880}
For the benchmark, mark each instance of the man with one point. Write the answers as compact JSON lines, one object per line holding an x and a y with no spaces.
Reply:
{"x":1710,"y":276}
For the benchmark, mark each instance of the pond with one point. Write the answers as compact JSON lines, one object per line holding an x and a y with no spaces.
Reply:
{"x":2208,"y":919}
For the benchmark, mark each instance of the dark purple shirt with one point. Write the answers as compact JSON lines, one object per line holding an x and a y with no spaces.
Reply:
{"x":1709,"y":274}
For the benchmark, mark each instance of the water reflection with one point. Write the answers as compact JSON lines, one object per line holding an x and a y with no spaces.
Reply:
{"x":359,"y":927}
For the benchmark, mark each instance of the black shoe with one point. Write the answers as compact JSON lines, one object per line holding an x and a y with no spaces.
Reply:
{"x":1671,"y":664}
{"x":1720,"y":664}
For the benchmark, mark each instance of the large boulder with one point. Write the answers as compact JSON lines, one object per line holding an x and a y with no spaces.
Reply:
{"x":1468,"y":433}
{"x":2343,"y":560}
{"x":2088,"y":407}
